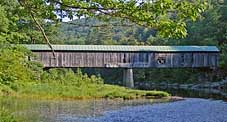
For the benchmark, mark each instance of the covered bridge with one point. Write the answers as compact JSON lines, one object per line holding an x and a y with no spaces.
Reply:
{"x":127,"y":57}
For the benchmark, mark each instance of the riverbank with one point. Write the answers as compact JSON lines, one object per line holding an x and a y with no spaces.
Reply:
{"x":65,"y":84}
{"x":56,"y":91}
{"x":86,"y":91}
{"x":37,"y":110}
{"x":62,"y":84}
{"x":52,"y":91}
{"x":192,"y":86}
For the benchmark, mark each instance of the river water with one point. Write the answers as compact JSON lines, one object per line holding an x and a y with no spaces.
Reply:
{"x":198,"y":106}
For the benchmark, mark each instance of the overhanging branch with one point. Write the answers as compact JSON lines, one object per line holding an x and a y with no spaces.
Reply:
{"x":82,"y":7}
{"x":43,"y":33}
{"x":22,"y":3}
{"x":99,"y":25}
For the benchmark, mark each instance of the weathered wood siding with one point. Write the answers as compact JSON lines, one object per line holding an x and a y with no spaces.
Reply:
{"x":128,"y":59}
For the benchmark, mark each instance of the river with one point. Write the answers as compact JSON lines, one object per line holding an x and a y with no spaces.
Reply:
{"x":197,"y":107}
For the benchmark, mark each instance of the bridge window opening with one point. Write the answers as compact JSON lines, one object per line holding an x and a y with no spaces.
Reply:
{"x":182,"y":59}
{"x":143,"y":57}
{"x":192,"y":59}
{"x":129,"y":58}
{"x":161,"y":60}
{"x":124,"y":59}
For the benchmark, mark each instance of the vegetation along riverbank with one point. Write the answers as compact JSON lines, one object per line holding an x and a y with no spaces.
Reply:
{"x":21,"y":77}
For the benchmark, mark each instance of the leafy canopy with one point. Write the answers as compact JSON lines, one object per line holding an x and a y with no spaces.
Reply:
{"x":167,"y":16}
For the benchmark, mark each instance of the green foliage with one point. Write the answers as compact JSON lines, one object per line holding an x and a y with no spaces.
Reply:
{"x":5,"y":90}
{"x":4,"y":22}
{"x":175,"y":75}
{"x":17,"y":26}
{"x":167,"y":16}
{"x":209,"y":29}
{"x":7,"y":116}
{"x":68,"y":77}
{"x":14,"y":66}
{"x":13,"y":33}
{"x":223,"y":62}
{"x":59,"y":91}
{"x":151,"y":21}
{"x":109,"y":34}
{"x":65,"y":84}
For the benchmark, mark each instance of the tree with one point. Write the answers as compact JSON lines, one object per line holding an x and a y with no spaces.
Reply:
{"x":18,"y":25}
{"x":4,"y":23}
{"x":167,"y":16}
{"x":100,"y":36}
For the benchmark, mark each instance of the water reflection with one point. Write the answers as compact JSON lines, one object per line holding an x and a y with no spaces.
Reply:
{"x":52,"y":110}
{"x":32,"y":110}
{"x":197,"y":93}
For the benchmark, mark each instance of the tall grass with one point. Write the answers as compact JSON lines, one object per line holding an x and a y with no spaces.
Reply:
{"x":58,"y":83}
{"x":7,"y":116}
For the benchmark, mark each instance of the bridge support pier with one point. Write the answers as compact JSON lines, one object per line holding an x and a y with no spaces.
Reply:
{"x":128,"y":78}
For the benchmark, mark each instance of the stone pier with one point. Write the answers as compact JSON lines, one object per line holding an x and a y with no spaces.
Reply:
{"x":128,"y":78}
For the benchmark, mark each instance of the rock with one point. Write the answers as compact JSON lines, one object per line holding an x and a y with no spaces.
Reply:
{"x":196,"y":86}
{"x":176,"y":98}
{"x":215,"y":85}
{"x":207,"y":85}
{"x":163,"y":84}
{"x":190,"y":85}
{"x":184,"y":86}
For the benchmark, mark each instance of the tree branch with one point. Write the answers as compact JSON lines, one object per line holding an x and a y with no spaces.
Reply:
{"x":22,"y":3}
{"x":99,"y":25}
{"x":80,"y":7}
{"x":43,"y":33}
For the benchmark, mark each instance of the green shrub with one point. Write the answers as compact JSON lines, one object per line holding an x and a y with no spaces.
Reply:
{"x":14,"y":66}
{"x":67,"y":76}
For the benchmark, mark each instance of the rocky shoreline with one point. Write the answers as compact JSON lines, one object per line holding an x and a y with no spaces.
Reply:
{"x":207,"y":87}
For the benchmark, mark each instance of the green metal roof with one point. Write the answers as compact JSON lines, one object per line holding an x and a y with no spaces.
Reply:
{"x":125,"y":48}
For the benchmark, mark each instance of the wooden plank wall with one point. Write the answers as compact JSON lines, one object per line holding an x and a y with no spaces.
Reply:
{"x":127,"y":59}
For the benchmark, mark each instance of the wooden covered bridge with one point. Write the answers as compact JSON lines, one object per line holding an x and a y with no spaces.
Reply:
{"x":127,"y":57}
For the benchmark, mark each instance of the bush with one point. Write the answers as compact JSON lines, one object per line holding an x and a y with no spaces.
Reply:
{"x":67,"y":76}
{"x":14,"y":66}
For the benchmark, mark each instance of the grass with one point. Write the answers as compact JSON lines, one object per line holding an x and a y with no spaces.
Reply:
{"x":65,"y":84}
{"x":7,"y":116}
{"x":88,"y":91}
{"x":4,"y":90}
{"x":56,"y":91}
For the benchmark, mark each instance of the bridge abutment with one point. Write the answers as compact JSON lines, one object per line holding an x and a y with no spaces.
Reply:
{"x":128,"y":78}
